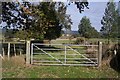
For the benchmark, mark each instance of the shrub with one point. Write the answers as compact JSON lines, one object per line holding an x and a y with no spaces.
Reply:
{"x":80,"y":40}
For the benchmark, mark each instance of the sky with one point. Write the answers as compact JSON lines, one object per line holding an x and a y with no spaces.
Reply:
{"x":94,"y":13}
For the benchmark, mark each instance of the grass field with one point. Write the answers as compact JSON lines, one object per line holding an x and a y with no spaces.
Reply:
{"x":16,"y":68}
{"x":91,"y":40}
{"x":62,"y":41}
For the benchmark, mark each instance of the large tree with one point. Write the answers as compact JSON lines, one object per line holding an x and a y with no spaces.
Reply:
{"x":110,"y":22}
{"x":86,"y":30}
{"x":14,"y":15}
{"x":47,"y":24}
{"x":37,"y":20}
{"x":118,"y":27}
{"x":64,"y":19}
{"x":35,"y":23}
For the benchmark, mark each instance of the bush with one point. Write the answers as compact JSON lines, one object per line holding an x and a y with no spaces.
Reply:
{"x":80,"y":40}
{"x":108,"y":51}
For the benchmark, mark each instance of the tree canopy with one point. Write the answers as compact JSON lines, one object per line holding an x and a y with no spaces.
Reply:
{"x":38,"y":21}
{"x":86,"y":30}
{"x":110,"y":22}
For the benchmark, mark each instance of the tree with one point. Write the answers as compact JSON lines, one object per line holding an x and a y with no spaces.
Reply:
{"x":36,"y":20}
{"x":64,"y":18}
{"x":81,"y":5}
{"x":86,"y":30}
{"x":46,"y":21}
{"x":21,"y":34}
{"x":53,"y":32}
{"x":118,"y":27}
{"x":51,"y":25}
{"x":110,"y":22}
{"x":14,"y":15}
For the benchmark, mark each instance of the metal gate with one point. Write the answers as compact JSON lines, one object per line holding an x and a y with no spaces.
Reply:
{"x":63,"y":54}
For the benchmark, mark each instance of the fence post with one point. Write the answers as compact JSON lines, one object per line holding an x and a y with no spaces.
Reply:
{"x":14,"y":49}
{"x":3,"y":52}
{"x":65,"y":54}
{"x":28,"y":52}
{"x":8,"y":51}
{"x":99,"y":53}
{"x":31,"y":53}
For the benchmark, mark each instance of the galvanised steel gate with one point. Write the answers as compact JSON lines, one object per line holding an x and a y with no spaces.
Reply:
{"x":63,"y":54}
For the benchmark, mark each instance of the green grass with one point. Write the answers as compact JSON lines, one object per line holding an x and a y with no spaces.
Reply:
{"x":105,"y":41}
{"x":91,"y":40}
{"x":64,"y":41}
{"x":15,"y":71}
{"x":16,"y":68}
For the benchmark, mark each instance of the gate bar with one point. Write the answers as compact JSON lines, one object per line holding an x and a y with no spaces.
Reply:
{"x":65,"y":64}
{"x":49,"y":54}
{"x":81,"y":54}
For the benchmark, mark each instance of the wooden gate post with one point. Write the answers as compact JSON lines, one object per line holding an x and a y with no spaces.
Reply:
{"x":31,"y":53}
{"x":99,"y":53}
{"x":8,"y":51}
{"x":3,"y":52}
{"x":14,"y":49}
{"x":28,"y":52}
